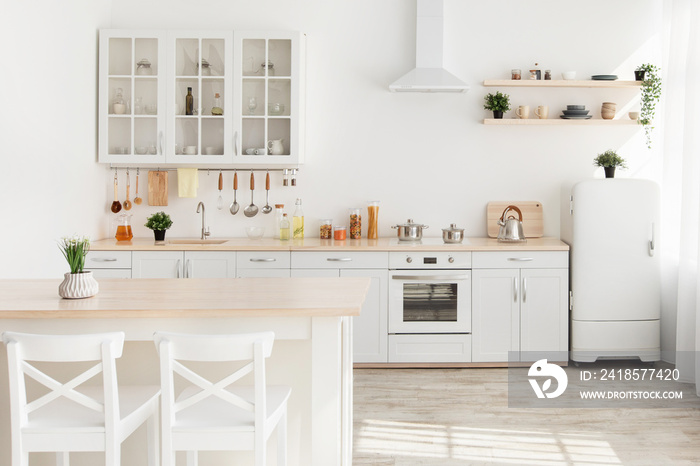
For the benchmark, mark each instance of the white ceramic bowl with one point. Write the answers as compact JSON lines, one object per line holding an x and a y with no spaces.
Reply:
{"x":255,"y":232}
{"x":633,"y":115}
{"x":568,"y":75}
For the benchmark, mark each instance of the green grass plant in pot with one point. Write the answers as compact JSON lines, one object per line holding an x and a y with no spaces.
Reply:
{"x":159,"y":222}
{"x":77,"y":283}
{"x":609,"y":160}
{"x":651,"y":93}
{"x":498,"y":103}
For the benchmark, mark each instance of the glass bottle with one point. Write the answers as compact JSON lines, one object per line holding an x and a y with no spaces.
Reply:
{"x":216,"y":109}
{"x":279,"y":213}
{"x":119,"y":104}
{"x":189,"y":102}
{"x":355,"y":224}
{"x":284,"y":228}
{"x":138,"y":106}
{"x":298,"y":221}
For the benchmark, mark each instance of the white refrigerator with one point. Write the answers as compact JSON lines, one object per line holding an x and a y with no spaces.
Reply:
{"x":612,"y":228}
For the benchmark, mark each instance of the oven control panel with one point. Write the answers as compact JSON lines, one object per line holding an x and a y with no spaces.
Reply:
{"x":430,"y":260}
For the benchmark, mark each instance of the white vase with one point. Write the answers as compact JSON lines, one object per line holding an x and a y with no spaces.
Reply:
{"x":78,"y":285}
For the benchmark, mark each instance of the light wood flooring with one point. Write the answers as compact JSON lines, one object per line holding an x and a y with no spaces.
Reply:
{"x":442,"y":417}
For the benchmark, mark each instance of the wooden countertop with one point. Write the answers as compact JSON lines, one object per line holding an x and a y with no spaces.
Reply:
{"x":240,"y":297}
{"x":316,"y":244}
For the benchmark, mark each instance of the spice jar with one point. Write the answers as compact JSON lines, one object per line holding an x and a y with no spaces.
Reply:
{"x":515,"y":74}
{"x":355,"y":224}
{"x":548,"y":75}
{"x":326,"y":229}
{"x":339,"y":233}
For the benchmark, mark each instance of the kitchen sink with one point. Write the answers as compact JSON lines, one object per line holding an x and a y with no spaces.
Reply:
{"x":196,"y":241}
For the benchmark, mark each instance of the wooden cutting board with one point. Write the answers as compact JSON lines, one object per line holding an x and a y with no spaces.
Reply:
{"x":532,"y":217}
{"x":157,"y":188}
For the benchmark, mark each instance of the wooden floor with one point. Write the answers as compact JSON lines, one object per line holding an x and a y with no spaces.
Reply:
{"x":442,"y":417}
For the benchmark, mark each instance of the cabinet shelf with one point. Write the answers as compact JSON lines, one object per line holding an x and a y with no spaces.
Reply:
{"x":553,"y":121}
{"x":589,"y":83}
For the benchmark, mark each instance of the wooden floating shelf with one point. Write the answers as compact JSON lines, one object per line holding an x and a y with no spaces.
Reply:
{"x":560,"y":83}
{"x":558,"y":121}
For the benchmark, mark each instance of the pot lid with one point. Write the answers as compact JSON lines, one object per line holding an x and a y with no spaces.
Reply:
{"x":453,"y":227}
{"x":411,"y":223}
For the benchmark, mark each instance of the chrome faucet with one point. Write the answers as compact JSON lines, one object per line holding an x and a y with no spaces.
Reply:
{"x":205,"y":229}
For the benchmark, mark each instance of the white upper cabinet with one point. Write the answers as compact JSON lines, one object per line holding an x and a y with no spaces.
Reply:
{"x":132,"y":96}
{"x":246,"y":98}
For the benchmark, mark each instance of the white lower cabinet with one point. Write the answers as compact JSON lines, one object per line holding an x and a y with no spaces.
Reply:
{"x":262,"y":264}
{"x":183,"y":264}
{"x":517,"y":309}
{"x":109,"y":264}
{"x":370,"y":327}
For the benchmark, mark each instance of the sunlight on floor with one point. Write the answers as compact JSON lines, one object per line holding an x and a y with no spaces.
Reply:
{"x":434,"y":441}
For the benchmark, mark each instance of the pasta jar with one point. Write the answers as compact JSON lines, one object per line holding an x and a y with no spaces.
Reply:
{"x":326,"y":229}
{"x":339,"y":233}
{"x":355,"y":223}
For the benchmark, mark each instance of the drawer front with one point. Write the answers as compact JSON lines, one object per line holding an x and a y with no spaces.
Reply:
{"x":108,"y":260}
{"x":110,"y":273}
{"x":263,"y":260}
{"x":430,"y":260}
{"x":520,"y":260}
{"x":339,"y":260}
{"x":430,"y":348}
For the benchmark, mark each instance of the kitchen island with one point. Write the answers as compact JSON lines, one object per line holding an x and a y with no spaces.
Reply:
{"x":312,"y":353}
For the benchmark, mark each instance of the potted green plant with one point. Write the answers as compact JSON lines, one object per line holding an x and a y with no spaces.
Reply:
{"x":609,"y":160}
{"x":159,"y":222}
{"x":651,"y":93}
{"x":77,"y":283}
{"x":497,"y":103}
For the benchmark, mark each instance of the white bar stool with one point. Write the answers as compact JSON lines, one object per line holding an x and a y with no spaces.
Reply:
{"x":73,"y":417}
{"x":209,"y":416}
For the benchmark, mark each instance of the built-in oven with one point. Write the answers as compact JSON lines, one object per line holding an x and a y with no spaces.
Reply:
{"x":430,"y":306}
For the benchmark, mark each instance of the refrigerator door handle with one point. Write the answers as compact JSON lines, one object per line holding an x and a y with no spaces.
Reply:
{"x":652,"y":242}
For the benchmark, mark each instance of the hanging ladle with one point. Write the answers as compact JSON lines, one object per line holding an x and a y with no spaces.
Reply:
{"x":252,"y":209}
{"x":116,"y":205}
{"x":267,"y":208}
{"x":127,"y":203}
{"x":137,"y":199}
{"x":234,"y":205}
{"x":220,"y":200}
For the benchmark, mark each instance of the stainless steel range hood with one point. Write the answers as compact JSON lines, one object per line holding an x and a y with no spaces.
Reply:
{"x":429,"y":75}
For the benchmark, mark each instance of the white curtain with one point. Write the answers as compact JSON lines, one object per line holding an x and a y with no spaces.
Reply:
{"x":681,"y":180}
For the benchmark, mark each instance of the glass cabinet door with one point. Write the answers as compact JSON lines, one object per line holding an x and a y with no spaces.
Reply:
{"x":132,"y":96}
{"x":268,"y":84}
{"x":200,"y":119}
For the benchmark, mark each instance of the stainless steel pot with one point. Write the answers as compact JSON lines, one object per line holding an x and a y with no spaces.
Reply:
{"x":511,"y":229}
{"x":453,"y":234}
{"x":410,"y":231}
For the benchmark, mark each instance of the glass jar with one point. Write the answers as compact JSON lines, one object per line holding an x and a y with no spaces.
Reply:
{"x":339,"y":233}
{"x":123,"y":223}
{"x":515,"y":74}
{"x":118,"y":104}
{"x":326,"y":229}
{"x":548,"y":75}
{"x":143,"y":67}
{"x":373,"y":215}
{"x":355,"y":224}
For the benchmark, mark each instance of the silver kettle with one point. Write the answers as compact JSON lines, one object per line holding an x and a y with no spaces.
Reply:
{"x":511,"y":229}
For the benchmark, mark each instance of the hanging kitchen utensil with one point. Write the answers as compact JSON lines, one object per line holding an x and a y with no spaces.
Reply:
{"x":220,"y":200}
{"x":233,"y":208}
{"x":511,"y":230}
{"x":267,"y":208}
{"x":252,"y":209}
{"x":127,"y":203}
{"x":158,"y":188}
{"x":137,"y":199}
{"x":116,"y":205}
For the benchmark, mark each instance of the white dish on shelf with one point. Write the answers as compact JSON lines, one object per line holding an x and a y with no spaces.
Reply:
{"x":578,"y":117}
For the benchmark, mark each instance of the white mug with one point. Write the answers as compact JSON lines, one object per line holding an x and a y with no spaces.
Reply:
{"x":190,"y":150}
{"x":523,"y":112}
{"x":260,"y":151}
{"x":542,"y":112}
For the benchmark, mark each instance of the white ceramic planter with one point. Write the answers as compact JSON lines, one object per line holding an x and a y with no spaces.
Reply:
{"x":78,"y":285}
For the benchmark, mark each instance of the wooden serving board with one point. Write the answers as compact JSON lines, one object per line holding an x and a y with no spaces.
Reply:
{"x":532,"y":217}
{"x":157,"y":188}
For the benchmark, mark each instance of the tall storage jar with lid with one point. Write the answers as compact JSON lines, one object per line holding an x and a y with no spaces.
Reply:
{"x":355,"y":223}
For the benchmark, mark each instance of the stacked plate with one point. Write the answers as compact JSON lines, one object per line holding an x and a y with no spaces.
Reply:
{"x":576,"y":112}
{"x":604,"y":77}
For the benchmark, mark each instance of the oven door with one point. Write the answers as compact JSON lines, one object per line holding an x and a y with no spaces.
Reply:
{"x":430,"y":301}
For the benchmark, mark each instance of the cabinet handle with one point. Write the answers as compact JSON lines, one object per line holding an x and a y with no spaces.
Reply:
{"x":179,"y":263}
{"x":235,"y":143}
{"x":450,"y":278}
{"x":339,"y":259}
{"x":267,"y":259}
{"x":515,"y":289}
{"x":160,"y":143}
{"x":100,"y":259}
{"x":524,"y":289}
{"x":520,"y":259}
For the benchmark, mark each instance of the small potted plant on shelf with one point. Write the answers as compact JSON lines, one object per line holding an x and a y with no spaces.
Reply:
{"x":609,"y":160}
{"x":497,"y":103}
{"x":651,"y":93}
{"x":77,"y":283}
{"x":159,"y":222}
